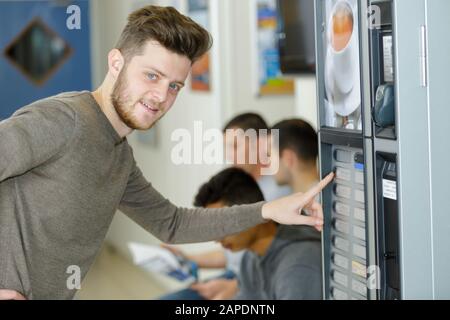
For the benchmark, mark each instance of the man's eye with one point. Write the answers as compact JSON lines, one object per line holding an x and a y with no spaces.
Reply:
{"x":152,"y":76}
{"x":174,"y":87}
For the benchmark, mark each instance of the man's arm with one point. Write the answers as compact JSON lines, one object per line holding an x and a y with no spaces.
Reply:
{"x":217,"y":289}
{"x":243,"y":292}
{"x":147,"y":207}
{"x":156,"y":214}
{"x":213,"y":259}
{"x":32,"y":136}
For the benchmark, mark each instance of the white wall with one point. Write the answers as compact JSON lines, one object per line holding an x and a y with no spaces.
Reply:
{"x":107,"y":18}
{"x":306,"y":99}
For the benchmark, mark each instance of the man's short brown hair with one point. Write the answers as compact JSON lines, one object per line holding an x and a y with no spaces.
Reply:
{"x":174,"y":31}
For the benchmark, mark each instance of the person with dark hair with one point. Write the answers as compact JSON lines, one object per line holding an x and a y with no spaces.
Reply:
{"x":225,"y":286}
{"x":230,"y":187}
{"x":247,"y":121}
{"x":280,"y":262}
{"x":236,"y":144}
{"x":297,"y":154}
{"x":66,"y":165}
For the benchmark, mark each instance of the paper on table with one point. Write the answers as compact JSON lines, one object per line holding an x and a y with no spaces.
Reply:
{"x":157,"y":259}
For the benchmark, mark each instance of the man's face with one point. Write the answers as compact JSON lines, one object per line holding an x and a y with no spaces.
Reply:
{"x":239,"y":241}
{"x":282,"y":176}
{"x":240,"y":151}
{"x":148,"y":85}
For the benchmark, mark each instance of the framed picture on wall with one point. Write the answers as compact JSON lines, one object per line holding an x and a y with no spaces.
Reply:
{"x":198,"y":10}
{"x":270,"y":79}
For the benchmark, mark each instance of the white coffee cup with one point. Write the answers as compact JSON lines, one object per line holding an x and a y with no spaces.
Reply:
{"x":341,"y":36}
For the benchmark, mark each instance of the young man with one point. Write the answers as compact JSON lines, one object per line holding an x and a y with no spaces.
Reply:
{"x":241,"y":145}
{"x":297,"y":155}
{"x":280,"y":262}
{"x":66,"y":166}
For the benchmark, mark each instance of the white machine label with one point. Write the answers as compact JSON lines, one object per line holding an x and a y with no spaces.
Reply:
{"x":389,"y":189}
{"x":388,"y":59}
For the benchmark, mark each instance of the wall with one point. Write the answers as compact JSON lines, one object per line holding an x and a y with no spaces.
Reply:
{"x":242,"y":78}
{"x":306,"y":99}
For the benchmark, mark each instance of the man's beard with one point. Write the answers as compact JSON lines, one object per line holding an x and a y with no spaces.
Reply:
{"x":123,"y":104}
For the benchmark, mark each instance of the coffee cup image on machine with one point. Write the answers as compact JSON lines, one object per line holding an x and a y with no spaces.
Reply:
{"x":342,"y":74}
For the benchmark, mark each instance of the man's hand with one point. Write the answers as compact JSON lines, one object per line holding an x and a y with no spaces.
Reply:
{"x":217,"y":289}
{"x":10,"y":295}
{"x":288,"y":210}
{"x":174,"y":250}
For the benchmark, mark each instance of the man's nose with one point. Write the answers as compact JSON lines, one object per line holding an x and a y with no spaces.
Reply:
{"x":159,"y":93}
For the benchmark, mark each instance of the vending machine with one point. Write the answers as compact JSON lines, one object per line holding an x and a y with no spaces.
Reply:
{"x":383,"y":115}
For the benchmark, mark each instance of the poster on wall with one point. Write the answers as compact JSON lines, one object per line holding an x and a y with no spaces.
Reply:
{"x":200,"y":74}
{"x":342,"y":70}
{"x":270,"y":78}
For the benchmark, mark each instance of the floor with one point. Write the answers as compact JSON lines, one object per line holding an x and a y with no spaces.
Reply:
{"x":113,"y":277}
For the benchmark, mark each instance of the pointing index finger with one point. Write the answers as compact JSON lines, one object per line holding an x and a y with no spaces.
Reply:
{"x":314,"y":191}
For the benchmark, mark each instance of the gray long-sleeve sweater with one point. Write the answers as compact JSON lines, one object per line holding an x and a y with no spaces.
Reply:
{"x":64,"y":171}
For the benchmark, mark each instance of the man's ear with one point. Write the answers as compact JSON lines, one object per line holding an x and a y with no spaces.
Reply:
{"x":288,"y":158}
{"x":116,"y":62}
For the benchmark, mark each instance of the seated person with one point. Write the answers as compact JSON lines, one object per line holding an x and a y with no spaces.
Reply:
{"x":235,"y":191}
{"x":225,"y":286}
{"x":235,"y":144}
{"x":280,"y":262}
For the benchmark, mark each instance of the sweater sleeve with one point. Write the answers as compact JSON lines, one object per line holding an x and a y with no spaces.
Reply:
{"x":171,"y":224}
{"x":33,"y":135}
